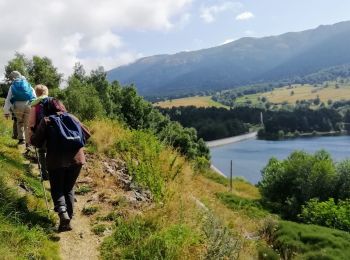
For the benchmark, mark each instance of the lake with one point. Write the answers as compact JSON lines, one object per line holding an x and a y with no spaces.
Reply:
{"x":251,"y":156}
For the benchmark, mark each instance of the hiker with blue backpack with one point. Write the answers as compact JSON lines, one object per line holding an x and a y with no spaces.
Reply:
{"x":17,"y":102}
{"x":65,"y":138}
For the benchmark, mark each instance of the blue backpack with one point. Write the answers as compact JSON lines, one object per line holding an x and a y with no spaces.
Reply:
{"x":21,"y":91}
{"x":65,"y":133}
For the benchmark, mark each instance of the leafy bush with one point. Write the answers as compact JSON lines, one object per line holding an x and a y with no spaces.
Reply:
{"x":327,"y":213}
{"x":288,"y":184}
{"x":300,"y":241}
{"x":343,"y":184}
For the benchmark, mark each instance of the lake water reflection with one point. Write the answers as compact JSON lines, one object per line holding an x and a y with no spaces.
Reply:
{"x":251,"y":156}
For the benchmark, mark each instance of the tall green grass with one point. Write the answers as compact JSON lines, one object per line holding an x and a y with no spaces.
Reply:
{"x":25,"y":228}
{"x":249,"y":207}
{"x":142,"y":151}
{"x":140,"y":238}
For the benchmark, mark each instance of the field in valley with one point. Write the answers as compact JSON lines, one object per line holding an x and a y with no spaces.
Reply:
{"x":196,"y":101}
{"x":291,"y":94}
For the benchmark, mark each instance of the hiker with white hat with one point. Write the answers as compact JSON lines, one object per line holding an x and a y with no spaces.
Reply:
{"x":18,"y":100}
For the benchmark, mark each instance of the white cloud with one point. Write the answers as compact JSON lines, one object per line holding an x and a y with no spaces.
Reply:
{"x":245,"y":16}
{"x":68,"y":31}
{"x":209,"y":13}
{"x":105,"y":42}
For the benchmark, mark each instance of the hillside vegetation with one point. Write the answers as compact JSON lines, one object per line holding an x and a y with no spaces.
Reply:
{"x":181,"y":219}
{"x":147,"y":191}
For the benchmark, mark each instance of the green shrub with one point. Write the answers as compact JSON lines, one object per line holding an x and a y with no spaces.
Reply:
{"x":99,"y":229}
{"x":327,"y":213}
{"x":83,"y":189}
{"x":90,"y":210}
{"x":288,"y":184}
{"x":300,"y":241}
{"x":343,"y":183}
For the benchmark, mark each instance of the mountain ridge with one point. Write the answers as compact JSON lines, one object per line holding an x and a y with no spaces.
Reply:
{"x":245,"y":61}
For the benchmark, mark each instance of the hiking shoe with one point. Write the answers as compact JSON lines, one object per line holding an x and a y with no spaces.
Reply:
{"x":64,"y":222}
{"x":21,"y":141}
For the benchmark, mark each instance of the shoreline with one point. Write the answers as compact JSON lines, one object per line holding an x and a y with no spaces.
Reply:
{"x":229,"y":140}
{"x":217,"y":170}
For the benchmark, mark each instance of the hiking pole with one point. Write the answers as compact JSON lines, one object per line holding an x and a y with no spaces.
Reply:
{"x":42,"y":179}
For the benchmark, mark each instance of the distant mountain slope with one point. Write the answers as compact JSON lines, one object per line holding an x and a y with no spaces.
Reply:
{"x":244,"y":61}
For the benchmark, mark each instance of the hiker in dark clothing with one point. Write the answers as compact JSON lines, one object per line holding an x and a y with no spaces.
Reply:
{"x":35,"y":116}
{"x":63,"y":167}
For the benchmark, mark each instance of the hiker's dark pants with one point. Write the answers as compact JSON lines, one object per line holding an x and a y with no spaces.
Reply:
{"x":62,"y":182}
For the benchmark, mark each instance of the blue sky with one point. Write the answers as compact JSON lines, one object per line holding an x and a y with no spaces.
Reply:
{"x":270,"y":17}
{"x":111,"y":33}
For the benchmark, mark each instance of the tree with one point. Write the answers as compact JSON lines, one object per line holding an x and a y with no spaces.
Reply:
{"x":19,"y":63}
{"x":79,"y":72}
{"x":98,"y":79}
{"x":42,"y":71}
{"x":343,"y":183}
{"x":288,"y":184}
{"x":82,"y":100}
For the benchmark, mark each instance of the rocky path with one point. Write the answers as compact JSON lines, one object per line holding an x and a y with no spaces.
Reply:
{"x":80,"y":243}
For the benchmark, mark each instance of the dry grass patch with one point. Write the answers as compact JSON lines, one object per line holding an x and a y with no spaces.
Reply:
{"x":306,"y":92}
{"x":196,"y":101}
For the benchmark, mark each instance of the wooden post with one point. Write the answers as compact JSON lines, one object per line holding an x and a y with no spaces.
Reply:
{"x":231,"y":177}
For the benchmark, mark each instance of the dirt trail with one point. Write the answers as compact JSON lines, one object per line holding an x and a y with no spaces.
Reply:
{"x":80,"y":243}
{"x":110,"y":185}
